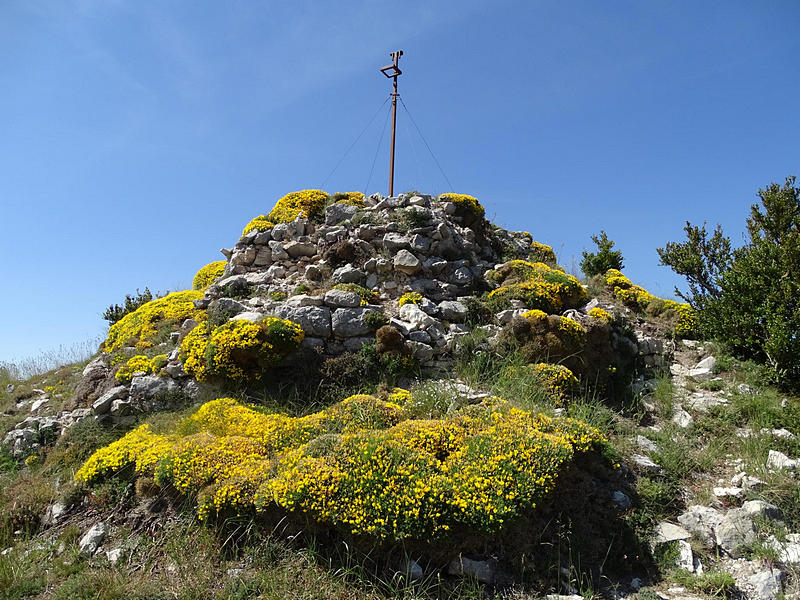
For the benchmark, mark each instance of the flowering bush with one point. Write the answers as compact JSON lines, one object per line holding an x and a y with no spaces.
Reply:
{"x":686,"y":325}
{"x":467,"y":207}
{"x":367,"y":296}
{"x":538,"y":285}
{"x":361,"y":465}
{"x":139,"y":327}
{"x":539,"y":337}
{"x":351,"y":198}
{"x":636,"y":297}
{"x":558,"y":379}
{"x":601,"y":315}
{"x":239,"y":348}
{"x":208,"y":274}
{"x":140,"y":364}
{"x":410,"y":298}
{"x":305,"y":203}
{"x":542,"y":253}
{"x":262,"y":223}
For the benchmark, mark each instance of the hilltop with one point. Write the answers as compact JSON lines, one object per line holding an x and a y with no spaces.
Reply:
{"x":393,"y":397}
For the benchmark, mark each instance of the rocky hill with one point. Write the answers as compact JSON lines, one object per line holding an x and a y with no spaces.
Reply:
{"x":425,"y":399}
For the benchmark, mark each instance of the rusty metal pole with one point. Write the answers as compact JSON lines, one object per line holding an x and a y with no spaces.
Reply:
{"x":393,"y":71}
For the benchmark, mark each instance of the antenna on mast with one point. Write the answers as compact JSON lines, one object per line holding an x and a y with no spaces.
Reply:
{"x":392,"y":71}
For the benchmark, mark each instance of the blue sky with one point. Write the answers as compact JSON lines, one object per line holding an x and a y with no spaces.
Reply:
{"x":139,"y":137}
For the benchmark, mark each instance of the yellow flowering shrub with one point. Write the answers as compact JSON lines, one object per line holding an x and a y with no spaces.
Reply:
{"x":261,"y":222}
{"x":558,"y":379}
{"x":410,"y":298}
{"x":351,"y":198}
{"x":535,"y":314}
{"x":601,"y":315}
{"x":538,"y":285}
{"x":367,"y":296}
{"x":467,"y":207}
{"x":687,"y":321}
{"x":138,"y":450}
{"x":208,"y":274}
{"x":305,"y":203}
{"x":140,"y":364}
{"x":542,"y":253}
{"x":539,"y":337}
{"x":636,"y":297}
{"x":399,"y":396}
{"x":239,"y":349}
{"x":142,"y":325}
{"x":361,"y":465}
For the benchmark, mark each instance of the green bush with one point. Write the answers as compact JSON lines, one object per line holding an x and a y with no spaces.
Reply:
{"x":597,"y":263}
{"x":115,"y":312}
{"x":749,"y":298}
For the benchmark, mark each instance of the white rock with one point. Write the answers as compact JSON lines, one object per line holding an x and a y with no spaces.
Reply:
{"x":411,"y":313}
{"x":708,"y":362}
{"x":685,"y":556}
{"x":678,"y":370}
{"x":406,"y":262}
{"x":92,"y":539}
{"x":766,"y":585}
{"x":779,"y":461}
{"x":669,"y":532}
{"x":114,"y":555}
{"x":728,"y":492}
{"x":701,"y":374}
{"x":682,"y":418}
{"x":701,"y":520}
{"x":789,"y":550}
{"x":646,"y":444}
{"x":645,"y":463}
{"x":248,"y":316}
{"x":37,"y":404}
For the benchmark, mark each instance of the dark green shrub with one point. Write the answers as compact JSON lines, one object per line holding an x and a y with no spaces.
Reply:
{"x":597,"y":263}
{"x":749,"y":298}
{"x":115,"y":312}
{"x":376,"y":319}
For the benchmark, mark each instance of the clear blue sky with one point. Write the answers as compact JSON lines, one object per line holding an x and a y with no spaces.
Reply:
{"x":138,"y":137}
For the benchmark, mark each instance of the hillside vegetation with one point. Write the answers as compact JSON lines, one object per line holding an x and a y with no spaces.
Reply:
{"x":394,"y":398}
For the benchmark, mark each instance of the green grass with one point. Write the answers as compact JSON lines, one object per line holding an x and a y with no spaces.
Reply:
{"x":713,"y":583}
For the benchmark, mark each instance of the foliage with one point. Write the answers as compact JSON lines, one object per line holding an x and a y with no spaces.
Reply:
{"x":367,"y":296}
{"x":597,"y":263}
{"x":683,"y":316}
{"x":239,"y":349}
{"x":749,"y":298}
{"x":208,"y":274}
{"x":261,"y":223}
{"x":701,"y":259}
{"x":351,"y":198}
{"x":142,"y":325}
{"x":542,"y":253}
{"x":410,"y":298}
{"x":115,"y":312}
{"x":376,"y":319}
{"x":542,"y":338}
{"x":538,"y":285}
{"x":557,"y":380}
{"x":140,"y":364}
{"x":467,"y":207}
{"x":601,"y":315}
{"x":307,"y":204}
{"x":362,"y":465}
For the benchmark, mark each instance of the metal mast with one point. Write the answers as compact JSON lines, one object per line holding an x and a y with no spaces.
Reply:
{"x":392,"y":71}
